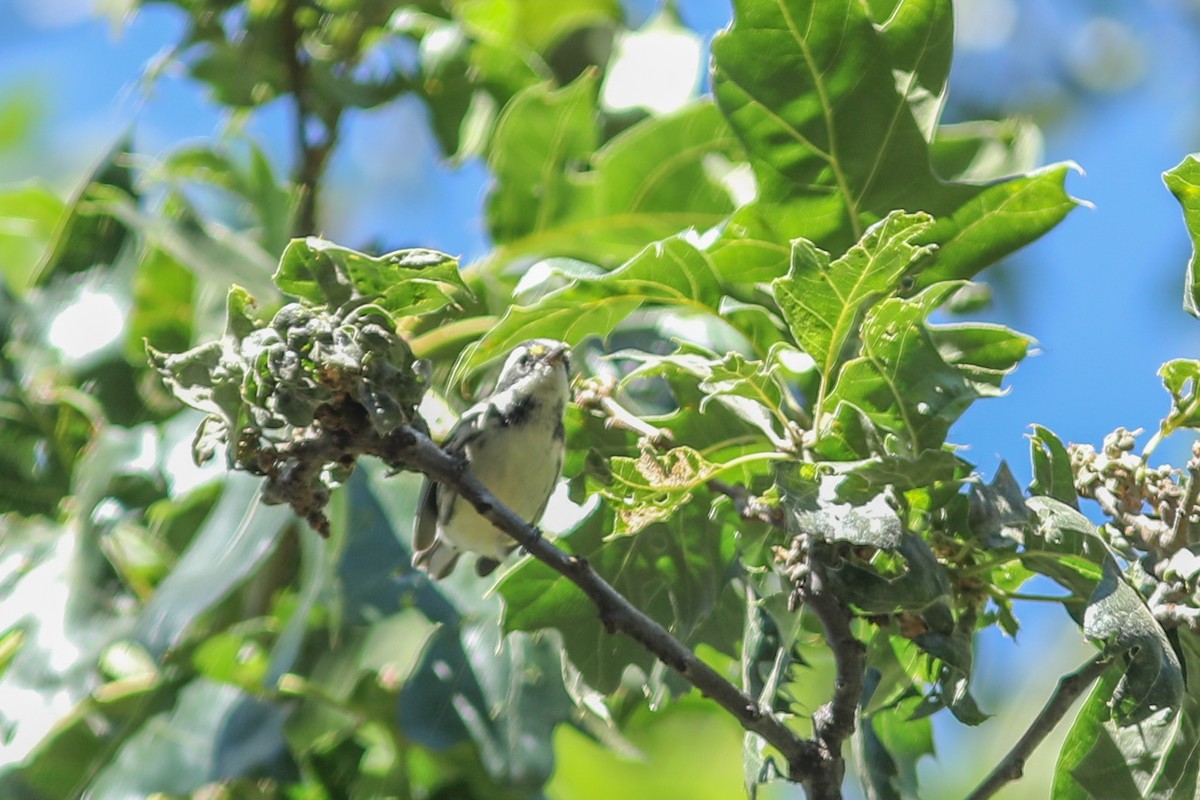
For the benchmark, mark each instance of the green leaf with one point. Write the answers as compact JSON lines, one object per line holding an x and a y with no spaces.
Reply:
{"x":43,"y":436}
{"x":536,"y":24}
{"x":1062,"y":544}
{"x":10,"y":644}
{"x":29,"y":213}
{"x":541,"y":137}
{"x":651,"y":181}
{"x":1052,"y":475}
{"x":753,"y":248}
{"x":836,"y":113}
{"x":754,"y":390}
{"x":903,"y":473}
{"x":1154,"y":759}
{"x":1181,"y":377}
{"x":405,"y":283}
{"x":813,"y":505}
{"x":250,"y":178}
{"x":164,"y":304}
{"x":888,"y":745}
{"x":997,"y":510}
{"x":87,"y":736}
{"x":1117,"y":616}
{"x":652,"y":487}
{"x":88,"y":234}
{"x":238,"y":656}
{"x":246,"y":69}
{"x":1184,"y":183}
{"x":177,"y":750}
{"x":913,"y":582}
{"x":678,"y":572}
{"x":237,"y":536}
{"x":985,"y":150}
{"x":994,"y":220}
{"x":823,"y":302}
{"x":901,"y":381}
{"x":671,"y":273}
{"x":919,"y":36}
{"x":523,"y":701}
{"x":986,"y":354}
{"x":466,"y":74}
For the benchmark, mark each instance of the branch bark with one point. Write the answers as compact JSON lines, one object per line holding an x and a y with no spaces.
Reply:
{"x":834,"y":721}
{"x":315,"y":135}
{"x":1070,"y":687}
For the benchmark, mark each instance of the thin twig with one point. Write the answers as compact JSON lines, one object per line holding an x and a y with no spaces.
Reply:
{"x":747,"y":505}
{"x":1181,"y":531}
{"x":596,"y":394}
{"x":1070,"y":687}
{"x":1150,"y":532}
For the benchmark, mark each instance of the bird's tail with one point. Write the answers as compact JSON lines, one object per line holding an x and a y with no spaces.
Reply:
{"x":438,"y":559}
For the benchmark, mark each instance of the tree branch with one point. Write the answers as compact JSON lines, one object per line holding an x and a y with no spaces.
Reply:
{"x":417,"y":451}
{"x":312,"y":152}
{"x":1070,"y":687}
{"x":834,"y":721}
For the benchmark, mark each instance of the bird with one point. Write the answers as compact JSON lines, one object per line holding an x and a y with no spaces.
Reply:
{"x":514,"y":443}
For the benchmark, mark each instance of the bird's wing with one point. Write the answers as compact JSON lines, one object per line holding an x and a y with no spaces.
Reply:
{"x":425,"y":524}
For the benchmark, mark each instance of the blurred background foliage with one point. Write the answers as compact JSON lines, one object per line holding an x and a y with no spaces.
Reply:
{"x":145,"y":161}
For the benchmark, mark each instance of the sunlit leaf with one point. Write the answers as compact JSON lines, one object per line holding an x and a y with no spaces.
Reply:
{"x":406,"y":282}
{"x":556,"y":195}
{"x":238,"y":534}
{"x":535,"y":23}
{"x":1184,"y":183}
{"x":901,"y":380}
{"x":1181,"y":377}
{"x":985,"y":354}
{"x":823,"y":302}
{"x":837,"y":124}
{"x":814,"y":507}
{"x":1052,"y":474}
{"x":652,"y":487}
{"x":28,"y":216}
{"x":88,"y":235}
{"x":985,"y":150}
{"x":672,"y":273}
{"x":1063,"y":544}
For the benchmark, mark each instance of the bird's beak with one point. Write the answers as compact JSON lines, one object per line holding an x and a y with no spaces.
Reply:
{"x":561,"y":354}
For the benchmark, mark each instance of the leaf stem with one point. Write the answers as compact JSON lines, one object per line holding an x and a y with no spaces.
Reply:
{"x":750,"y":458}
{"x":1069,"y":688}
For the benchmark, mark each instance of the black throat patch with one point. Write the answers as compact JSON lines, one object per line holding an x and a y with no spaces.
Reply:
{"x":520,"y":413}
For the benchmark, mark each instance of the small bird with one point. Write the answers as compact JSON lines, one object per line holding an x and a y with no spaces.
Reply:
{"x":513,"y":442}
